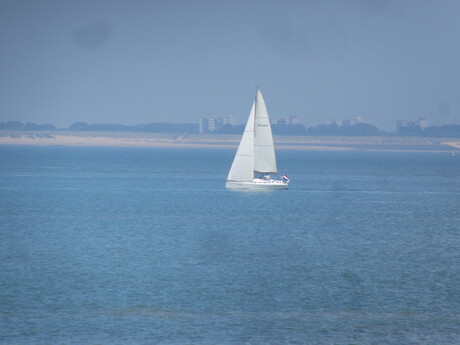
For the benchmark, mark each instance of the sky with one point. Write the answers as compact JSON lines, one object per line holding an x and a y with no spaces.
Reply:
{"x":134,"y":62}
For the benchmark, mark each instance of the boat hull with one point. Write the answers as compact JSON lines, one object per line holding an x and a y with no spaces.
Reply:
{"x":257,"y":184}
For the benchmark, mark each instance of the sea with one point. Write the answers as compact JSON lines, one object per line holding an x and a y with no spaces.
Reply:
{"x":117,"y":245}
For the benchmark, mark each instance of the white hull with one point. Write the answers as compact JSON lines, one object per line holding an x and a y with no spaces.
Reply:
{"x":257,"y":184}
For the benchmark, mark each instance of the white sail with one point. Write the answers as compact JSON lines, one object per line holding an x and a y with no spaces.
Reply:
{"x":264,"y":150}
{"x":243,"y":164}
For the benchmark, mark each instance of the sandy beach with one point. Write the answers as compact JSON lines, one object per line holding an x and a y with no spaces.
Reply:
{"x":135,"y":139}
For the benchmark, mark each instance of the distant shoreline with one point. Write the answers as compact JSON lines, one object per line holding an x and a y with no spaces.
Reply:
{"x":136,"y":139}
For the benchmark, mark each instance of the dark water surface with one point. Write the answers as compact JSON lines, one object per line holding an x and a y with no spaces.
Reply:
{"x":145,"y":246}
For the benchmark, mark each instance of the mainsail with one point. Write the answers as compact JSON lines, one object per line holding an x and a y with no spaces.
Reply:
{"x":264,"y":150}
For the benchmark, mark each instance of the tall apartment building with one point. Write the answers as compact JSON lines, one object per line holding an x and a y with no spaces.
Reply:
{"x":211,"y":124}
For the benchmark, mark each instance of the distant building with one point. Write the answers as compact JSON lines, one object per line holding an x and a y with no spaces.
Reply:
{"x":292,"y":120}
{"x":405,"y":123}
{"x":212,"y":124}
{"x":345,"y":122}
{"x":279,"y":122}
{"x":420,"y":123}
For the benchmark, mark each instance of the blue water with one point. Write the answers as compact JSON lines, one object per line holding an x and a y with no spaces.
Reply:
{"x":145,"y":246}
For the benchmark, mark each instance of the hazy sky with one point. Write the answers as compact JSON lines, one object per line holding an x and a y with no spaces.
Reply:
{"x":133,"y":62}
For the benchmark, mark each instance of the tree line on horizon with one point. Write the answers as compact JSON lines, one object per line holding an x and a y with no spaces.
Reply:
{"x":359,"y":129}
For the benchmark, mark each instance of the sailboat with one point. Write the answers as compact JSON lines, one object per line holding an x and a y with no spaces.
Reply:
{"x":255,"y":158}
